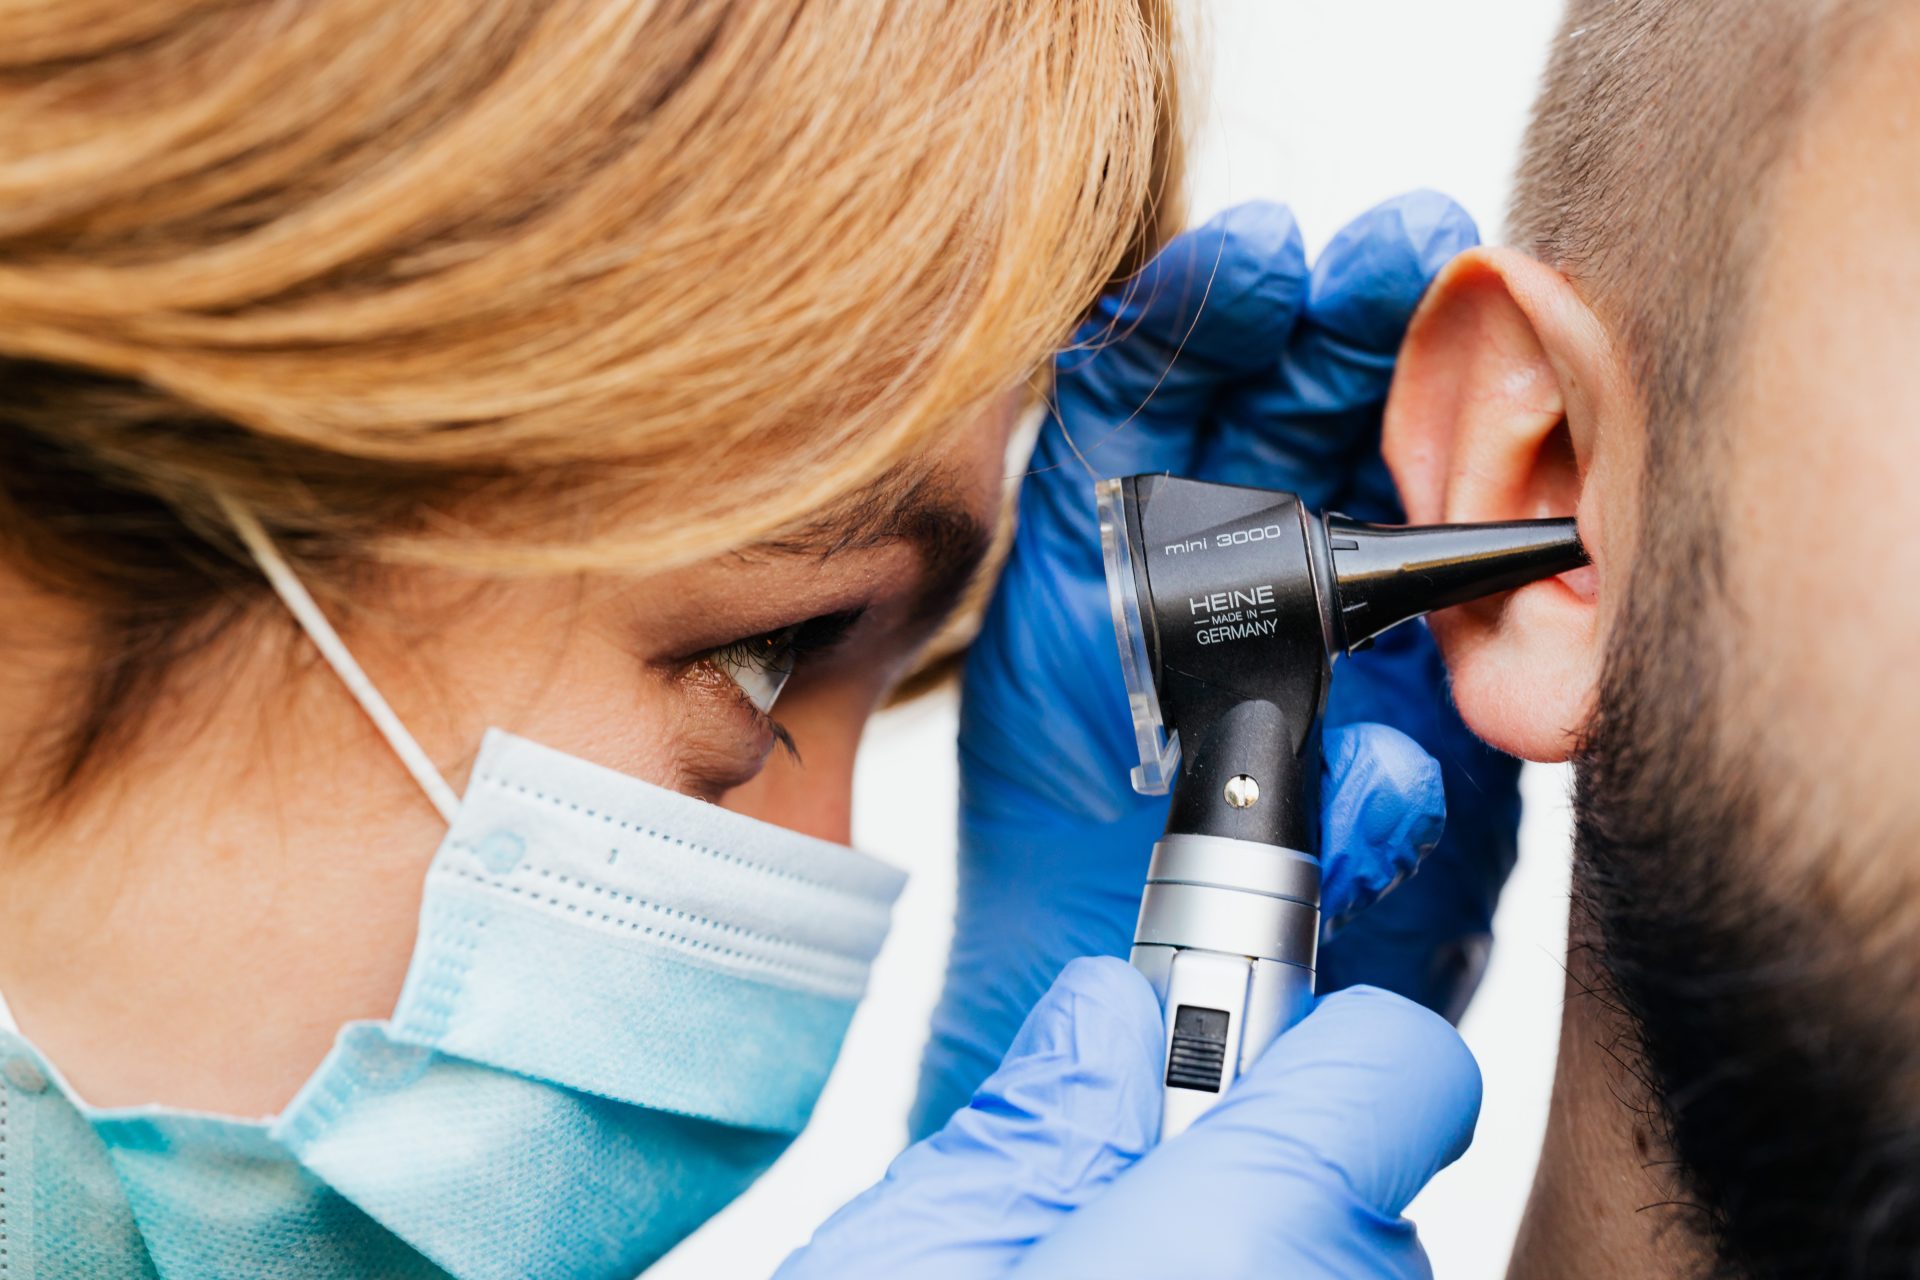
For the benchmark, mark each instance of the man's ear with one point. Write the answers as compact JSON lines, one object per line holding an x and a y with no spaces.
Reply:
{"x":1508,"y":403}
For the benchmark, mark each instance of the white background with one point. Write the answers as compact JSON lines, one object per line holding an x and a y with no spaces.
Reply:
{"x":1331,"y":106}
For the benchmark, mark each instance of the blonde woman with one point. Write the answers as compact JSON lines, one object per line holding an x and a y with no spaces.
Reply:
{"x":432,"y":436}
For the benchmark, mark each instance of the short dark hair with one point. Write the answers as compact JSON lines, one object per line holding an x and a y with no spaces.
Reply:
{"x":1646,"y":168}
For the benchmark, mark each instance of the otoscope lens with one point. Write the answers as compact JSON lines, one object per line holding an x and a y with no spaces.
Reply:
{"x":1159,"y":751}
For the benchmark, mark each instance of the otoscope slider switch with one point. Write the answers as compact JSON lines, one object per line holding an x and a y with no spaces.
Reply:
{"x":1197,"y":1050}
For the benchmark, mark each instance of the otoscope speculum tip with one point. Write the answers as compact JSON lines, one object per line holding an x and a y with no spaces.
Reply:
{"x":1383,"y":575}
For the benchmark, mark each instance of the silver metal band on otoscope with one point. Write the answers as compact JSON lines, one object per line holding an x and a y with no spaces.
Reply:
{"x":1233,"y":896}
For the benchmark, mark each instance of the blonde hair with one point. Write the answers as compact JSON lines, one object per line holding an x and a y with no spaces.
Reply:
{"x":529,"y":284}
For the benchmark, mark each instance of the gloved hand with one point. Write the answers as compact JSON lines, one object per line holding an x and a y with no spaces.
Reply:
{"x":1301,"y":1171}
{"x":1227,"y":360}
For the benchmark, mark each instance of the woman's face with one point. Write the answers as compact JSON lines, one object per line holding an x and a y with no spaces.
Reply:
{"x":257,"y":858}
{"x":748,"y":679}
{"x":829,"y":619}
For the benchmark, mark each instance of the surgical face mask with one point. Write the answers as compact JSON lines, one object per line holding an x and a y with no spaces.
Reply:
{"x":621,"y":1007}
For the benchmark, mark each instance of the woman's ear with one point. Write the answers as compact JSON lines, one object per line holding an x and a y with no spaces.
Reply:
{"x":1508,"y":403}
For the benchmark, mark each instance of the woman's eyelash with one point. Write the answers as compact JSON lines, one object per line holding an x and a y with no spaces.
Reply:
{"x":762,"y":664}
{"x":817,"y":635}
{"x":799,"y":640}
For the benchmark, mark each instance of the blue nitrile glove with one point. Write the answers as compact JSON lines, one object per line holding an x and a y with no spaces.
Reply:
{"x":1051,"y":1173}
{"x":1229,"y":361}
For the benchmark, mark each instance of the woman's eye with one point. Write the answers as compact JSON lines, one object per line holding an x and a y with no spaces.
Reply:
{"x":761,"y":665}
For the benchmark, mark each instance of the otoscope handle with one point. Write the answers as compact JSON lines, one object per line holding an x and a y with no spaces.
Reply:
{"x":1228,"y":936}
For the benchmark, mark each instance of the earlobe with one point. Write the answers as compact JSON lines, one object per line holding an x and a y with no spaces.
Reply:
{"x":1500,"y":409}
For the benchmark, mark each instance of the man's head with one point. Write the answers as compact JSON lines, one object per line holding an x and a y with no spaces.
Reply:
{"x":1708,"y":351}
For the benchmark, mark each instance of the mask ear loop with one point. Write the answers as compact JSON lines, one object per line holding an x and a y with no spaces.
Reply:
{"x":301,"y":605}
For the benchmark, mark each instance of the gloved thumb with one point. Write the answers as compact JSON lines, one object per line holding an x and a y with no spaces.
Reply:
{"x":1305,"y":1166}
{"x":1075,"y":1102}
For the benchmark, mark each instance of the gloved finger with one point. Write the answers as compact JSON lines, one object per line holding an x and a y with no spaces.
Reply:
{"x":1076,"y":1102}
{"x":1383,"y":806}
{"x":1372,"y":274}
{"x":1216,"y":304}
{"x":1314,"y":415}
{"x":1428,"y":940}
{"x":1303,"y":1169}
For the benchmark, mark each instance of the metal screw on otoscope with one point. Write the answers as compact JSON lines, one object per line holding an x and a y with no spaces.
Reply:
{"x":1230,"y":605}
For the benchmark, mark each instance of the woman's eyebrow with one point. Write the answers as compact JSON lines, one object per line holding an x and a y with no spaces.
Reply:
{"x":920,"y":510}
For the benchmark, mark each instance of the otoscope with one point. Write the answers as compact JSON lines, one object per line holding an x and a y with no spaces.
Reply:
{"x":1230,"y":605}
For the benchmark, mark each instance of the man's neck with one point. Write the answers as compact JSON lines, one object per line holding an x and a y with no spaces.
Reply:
{"x":1605,"y":1203}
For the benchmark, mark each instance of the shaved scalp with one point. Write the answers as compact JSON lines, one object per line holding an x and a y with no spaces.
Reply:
{"x":1645,"y":172}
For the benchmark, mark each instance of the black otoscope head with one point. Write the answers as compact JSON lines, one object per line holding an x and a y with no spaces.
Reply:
{"x":1230,"y":605}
